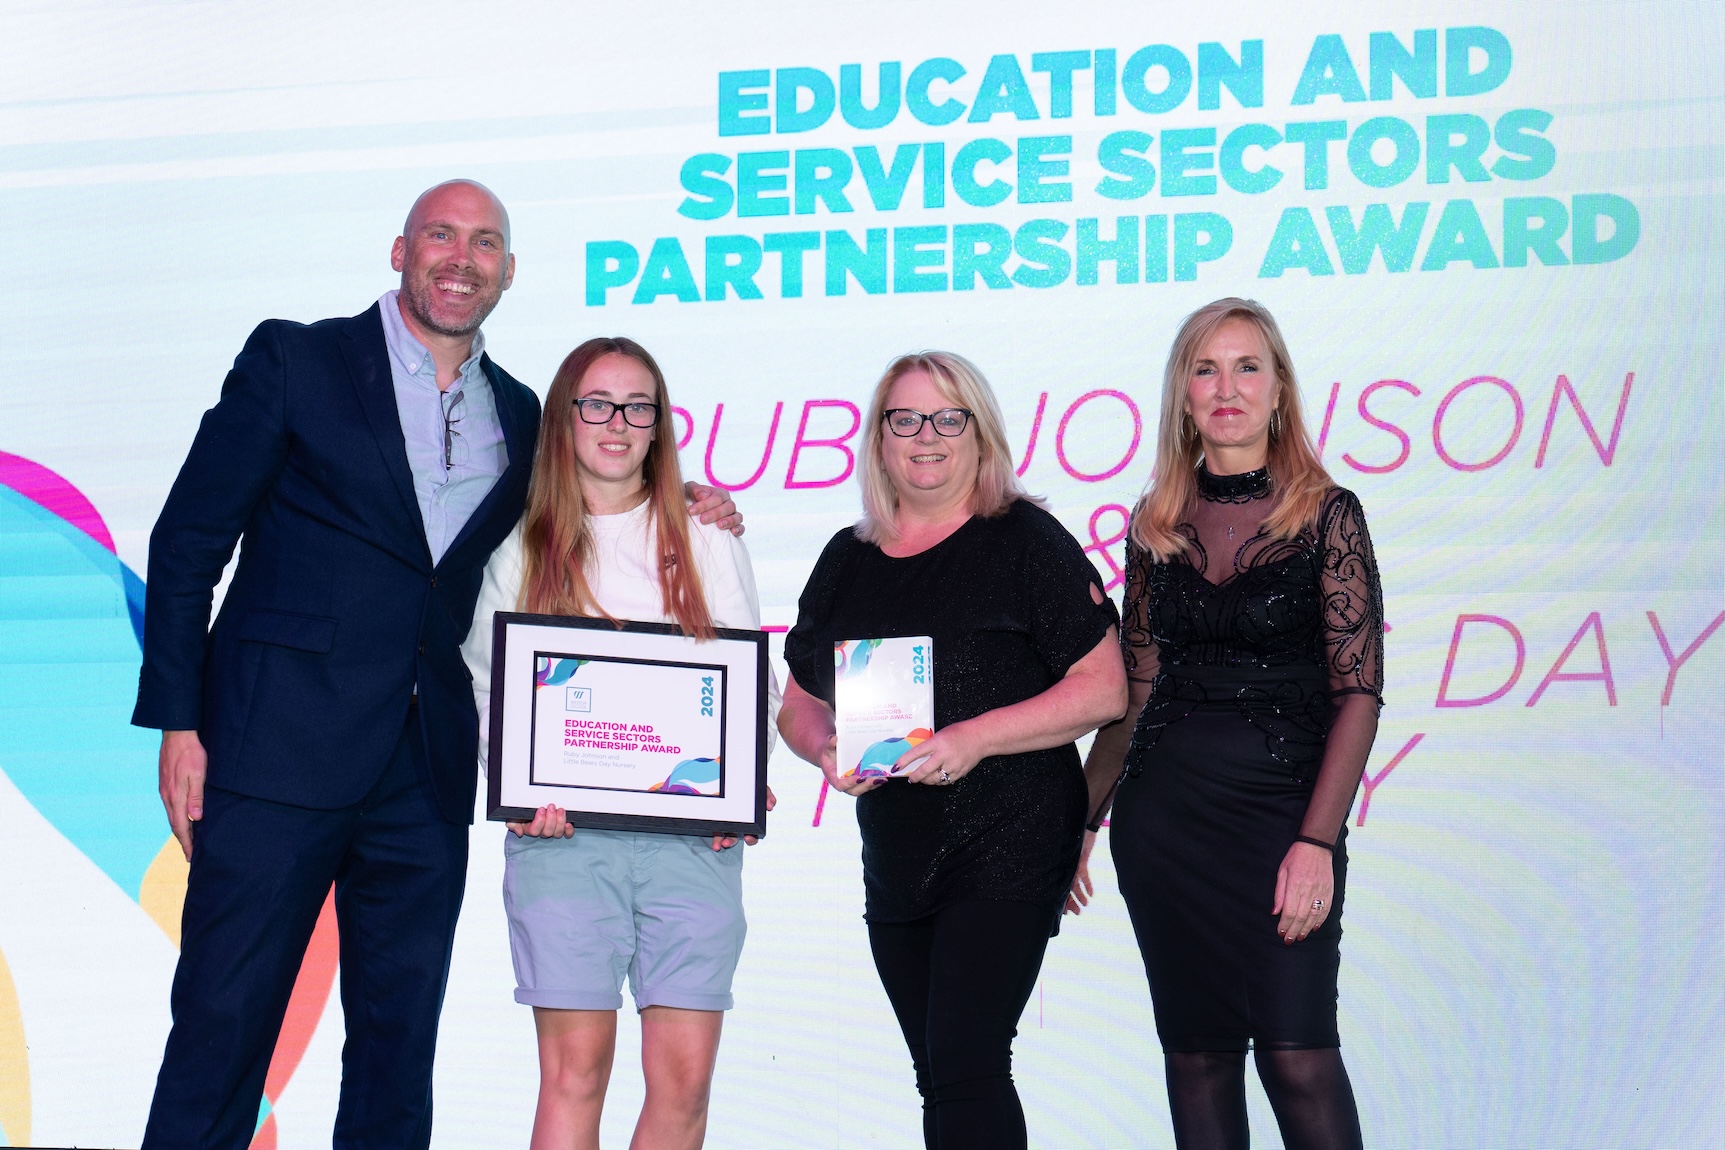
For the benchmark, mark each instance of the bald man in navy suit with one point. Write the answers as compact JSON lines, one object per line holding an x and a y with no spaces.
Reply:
{"x":322,"y":730}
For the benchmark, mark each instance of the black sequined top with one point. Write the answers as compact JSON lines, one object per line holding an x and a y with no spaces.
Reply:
{"x":1278,"y":629}
{"x":1007,"y":602}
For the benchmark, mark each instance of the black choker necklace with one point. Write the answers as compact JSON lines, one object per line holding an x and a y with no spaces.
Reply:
{"x":1241,"y":488}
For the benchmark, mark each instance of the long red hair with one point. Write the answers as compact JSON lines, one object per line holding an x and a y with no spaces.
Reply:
{"x":556,"y":544}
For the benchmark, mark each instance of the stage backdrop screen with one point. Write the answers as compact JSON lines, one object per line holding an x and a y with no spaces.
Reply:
{"x":1491,"y":233}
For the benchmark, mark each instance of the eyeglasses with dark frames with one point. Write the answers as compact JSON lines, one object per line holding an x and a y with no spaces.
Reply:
{"x":592,"y":409}
{"x":948,"y":422}
{"x":452,"y":410}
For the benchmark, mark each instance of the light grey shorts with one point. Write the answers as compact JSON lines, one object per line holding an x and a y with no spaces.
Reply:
{"x":665,"y":910}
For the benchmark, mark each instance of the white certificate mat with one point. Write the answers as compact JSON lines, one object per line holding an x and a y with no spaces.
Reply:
{"x":635,"y":727}
{"x":611,"y":724}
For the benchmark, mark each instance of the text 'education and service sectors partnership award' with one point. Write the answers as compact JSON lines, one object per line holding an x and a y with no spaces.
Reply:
{"x":630,"y":726}
{"x":883,"y":695}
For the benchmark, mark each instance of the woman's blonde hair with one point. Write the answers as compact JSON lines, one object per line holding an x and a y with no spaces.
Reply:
{"x":1298,"y":480}
{"x":556,"y":542}
{"x":964,"y":386}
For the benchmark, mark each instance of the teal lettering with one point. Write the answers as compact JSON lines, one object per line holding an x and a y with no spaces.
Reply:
{"x":610,"y":264}
{"x":1244,"y":78}
{"x":1105,"y":96}
{"x":1003,"y":89}
{"x":886,"y":187}
{"x":1459,"y":235}
{"x":916,"y":88}
{"x":757,"y":174}
{"x":1060,"y":66}
{"x":1134,"y":78}
{"x":1316,"y":136}
{"x":709,"y":196}
{"x":822,"y":174}
{"x":1534,"y":224}
{"x":1588,"y":245}
{"x":667,"y":273}
{"x":1199,"y":237}
{"x":1296,"y":244}
{"x":1406,"y":160}
{"x":934,"y":175}
{"x":732,"y":262}
{"x":885,"y":110}
{"x":788,"y":88}
{"x":911,"y":255}
{"x":1391,"y":61}
{"x":1329,"y":71}
{"x":980,"y":250}
{"x":790,"y":247}
{"x":1530,"y":154}
{"x":1378,"y":231}
{"x":1232,"y":159}
{"x":1122,"y":250}
{"x":743,"y":103}
{"x":1179,"y":158}
{"x":1045,"y":263}
{"x":964,"y":165}
{"x":1156,"y":249}
{"x":1036,"y":171}
{"x":1459,"y":44}
{"x":865,"y":264}
{"x":1131,"y":174}
{"x":1444,"y":151}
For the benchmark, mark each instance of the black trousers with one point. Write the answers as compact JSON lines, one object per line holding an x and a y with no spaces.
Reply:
{"x":259,"y":876}
{"x":958,"y":981}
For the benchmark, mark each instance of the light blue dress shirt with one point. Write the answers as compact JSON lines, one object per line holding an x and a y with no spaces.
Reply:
{"x":455,"y":442}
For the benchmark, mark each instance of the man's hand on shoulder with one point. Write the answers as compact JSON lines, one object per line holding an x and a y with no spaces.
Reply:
{"x":181,"y":772}
{"x":713,"y":505}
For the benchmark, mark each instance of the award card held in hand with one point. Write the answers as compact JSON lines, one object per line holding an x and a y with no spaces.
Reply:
{"x":883,"y":695}
{"x":631,"y":726}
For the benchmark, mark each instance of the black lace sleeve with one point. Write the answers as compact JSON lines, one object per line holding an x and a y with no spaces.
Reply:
{"x":1353,"y":628}
{"x":1107,"y":758}
{"x":1136,"y":645}
{"x":1353,"y":639}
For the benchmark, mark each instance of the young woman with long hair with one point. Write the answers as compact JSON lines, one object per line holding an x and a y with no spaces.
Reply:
{"x":606,"y":535}
{"x":1253,"y":635}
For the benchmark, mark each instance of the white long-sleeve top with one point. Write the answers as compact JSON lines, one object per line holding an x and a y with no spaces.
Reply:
{"x":624,"y":578}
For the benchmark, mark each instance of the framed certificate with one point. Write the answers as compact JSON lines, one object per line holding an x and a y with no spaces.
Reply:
{"x":635,"y":727}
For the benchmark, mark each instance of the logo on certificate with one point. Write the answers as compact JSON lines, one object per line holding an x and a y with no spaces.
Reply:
{"x":578,"y":698}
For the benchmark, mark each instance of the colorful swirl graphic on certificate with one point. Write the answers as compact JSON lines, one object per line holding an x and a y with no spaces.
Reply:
{"x":603,"y":723}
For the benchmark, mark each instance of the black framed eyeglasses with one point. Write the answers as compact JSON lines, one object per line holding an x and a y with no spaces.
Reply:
{"x":948,"y":421}
{"x":595,"y":410}
{"x":453,"y":409}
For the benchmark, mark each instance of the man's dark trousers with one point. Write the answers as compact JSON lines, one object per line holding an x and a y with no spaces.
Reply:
{"x":261,"y":871}
{"x":338,"y":717}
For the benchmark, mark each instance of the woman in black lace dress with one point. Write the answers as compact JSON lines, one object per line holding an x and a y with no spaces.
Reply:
{"x":1253,"y":636}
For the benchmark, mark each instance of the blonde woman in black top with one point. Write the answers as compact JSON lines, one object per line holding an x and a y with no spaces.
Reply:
{"x":967,"y":860}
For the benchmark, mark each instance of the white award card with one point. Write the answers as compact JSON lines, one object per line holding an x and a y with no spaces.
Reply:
{"x":883,"y":695}
{"x":618,"y":724}
{"x":610,"y":724}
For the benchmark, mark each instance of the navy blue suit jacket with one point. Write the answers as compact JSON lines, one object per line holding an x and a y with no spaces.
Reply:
{"x":335,"y":611}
